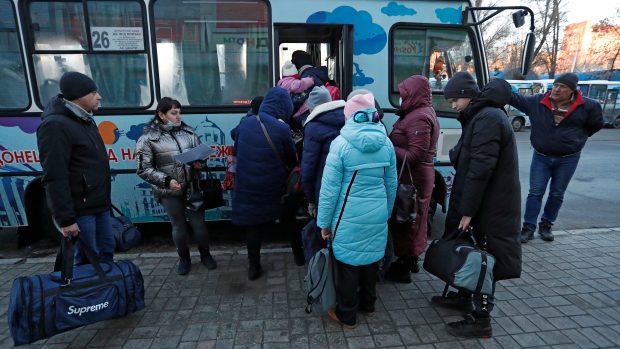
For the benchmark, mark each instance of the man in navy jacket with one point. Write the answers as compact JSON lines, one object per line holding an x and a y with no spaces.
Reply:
{"x":562,"y":120}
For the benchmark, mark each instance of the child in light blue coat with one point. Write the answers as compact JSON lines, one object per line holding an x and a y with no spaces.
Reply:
{"x":362,"y":161}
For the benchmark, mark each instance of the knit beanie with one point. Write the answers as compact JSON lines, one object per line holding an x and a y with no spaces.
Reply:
{"x":358,"y":102}
{"x":74,"y":85}
{"x":288,"y":69}
{"x":359,"y":91}
{"x":461,"y":85}
{"x":318,"y":96}
{"x":568,"y":79}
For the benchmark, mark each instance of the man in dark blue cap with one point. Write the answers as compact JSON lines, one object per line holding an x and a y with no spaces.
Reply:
{"x":76,"y":171}
{"x":562,"y":120}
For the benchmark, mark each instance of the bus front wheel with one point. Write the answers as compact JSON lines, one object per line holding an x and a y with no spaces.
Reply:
{"x":616,"y":123}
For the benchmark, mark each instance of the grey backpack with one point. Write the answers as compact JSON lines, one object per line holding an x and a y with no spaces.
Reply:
{"x":320,"y":280}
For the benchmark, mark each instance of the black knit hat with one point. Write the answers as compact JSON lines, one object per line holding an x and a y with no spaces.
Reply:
{"x":568,"y":79}
{"x":74,"y":85}
{"x":461,"y":85}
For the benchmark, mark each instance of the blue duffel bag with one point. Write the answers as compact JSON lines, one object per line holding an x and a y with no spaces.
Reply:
{"x":44,"y":305}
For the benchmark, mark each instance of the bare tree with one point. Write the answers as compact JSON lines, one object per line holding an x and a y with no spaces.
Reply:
{"x":494,"y":32}
{"x":548,"y":22}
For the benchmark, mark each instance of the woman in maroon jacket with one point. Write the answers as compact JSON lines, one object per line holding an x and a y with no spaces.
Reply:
{"x":415,"y":140}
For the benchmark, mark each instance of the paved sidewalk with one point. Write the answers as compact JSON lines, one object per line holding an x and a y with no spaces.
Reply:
{"x":567,"y":297}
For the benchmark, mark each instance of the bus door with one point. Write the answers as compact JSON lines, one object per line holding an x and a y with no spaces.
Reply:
{"x":330,"y":45}
{"x":611,"y":109}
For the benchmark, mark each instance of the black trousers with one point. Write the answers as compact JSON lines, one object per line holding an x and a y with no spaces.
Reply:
{"x":254,"y":237}
{"x":355,"y":289}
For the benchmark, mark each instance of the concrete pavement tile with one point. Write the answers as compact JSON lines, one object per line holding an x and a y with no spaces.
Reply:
{"x":566,"y":346}
{"x":137,"y":343}
{"x":507,"y":342}
{"x":335,"y":340}
{"x":563,"y":323}
{"x":248,"y":337}
{"x":540,"y":322}
{"x":318,"y":341}
{"x":554,"y":337}
{"x":408,"y":335}
{"x":557,"y":300}
{"x":449,"y":345}
{"x":144,"y":332}
{"x":251,"y":325}
{"x":586,"y":321}
{"x":277,"y":324}
{"x":276,"y":345}
{"x":224,"y":344}
{"x":508,"y":325}
{"x":387,"y":340}
{"x":610,"y":334}
{"x":275,"y":336}
{"x":209,"y":332}
{"x":425,"y":333}
{"x":226,"y":331}
{"x":187,"y":345}
{"x":165,"y":342}
{"x":595,"y":337}
{"x":191,"y":333}
{"x":204,"y":344}
{"x":488,"y":343}
{"x":579,"y":339}
{"x":302,"y":342}
{"x":360,"y":342}
{"x":571,"y":310}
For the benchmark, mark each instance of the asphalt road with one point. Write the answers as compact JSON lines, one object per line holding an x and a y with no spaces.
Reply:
{"x":592,"y":199}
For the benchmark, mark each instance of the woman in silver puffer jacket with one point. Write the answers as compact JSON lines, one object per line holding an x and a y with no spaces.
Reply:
{"x":164,"y":137}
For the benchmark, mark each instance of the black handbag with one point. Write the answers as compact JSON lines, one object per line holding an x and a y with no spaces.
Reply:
{"x":460,"y":262}
{"x":406,"y":204}
{"x":126,"y":235}
{"x":205,"y":194}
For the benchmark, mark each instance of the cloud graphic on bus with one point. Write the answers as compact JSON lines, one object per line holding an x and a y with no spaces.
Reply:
{"x":449,"y":15}
{"x":369,"y":38}
{"x":394,"y":9}
{"x":359,"y":78}
{"x":26,"y":124}
{"x":135,"y":131}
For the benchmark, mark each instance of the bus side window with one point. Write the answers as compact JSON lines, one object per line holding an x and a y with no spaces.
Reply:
{"x":14,"y":92}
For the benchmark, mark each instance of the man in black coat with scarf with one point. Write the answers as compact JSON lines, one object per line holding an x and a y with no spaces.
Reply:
{"x":486,"y":193}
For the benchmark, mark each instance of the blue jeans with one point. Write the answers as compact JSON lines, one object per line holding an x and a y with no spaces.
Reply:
{"x":558,"y":169}
{"x":96,"y":231}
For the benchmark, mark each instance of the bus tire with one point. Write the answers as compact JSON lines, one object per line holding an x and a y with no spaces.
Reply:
{"x":616,"y":123}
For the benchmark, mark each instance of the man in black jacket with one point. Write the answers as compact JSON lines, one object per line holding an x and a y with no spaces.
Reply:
{"x":76,"y":171}
{"x":486,"y":193}
{"x":562,"y":120}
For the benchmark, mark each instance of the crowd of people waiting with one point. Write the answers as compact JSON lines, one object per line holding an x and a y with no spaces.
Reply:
{"x":350,"y":169}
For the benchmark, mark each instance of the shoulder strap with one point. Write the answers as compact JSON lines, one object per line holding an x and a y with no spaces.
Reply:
{"x":273,"y":147}
{"x":344,"y":204}
{"x":402,"y":167}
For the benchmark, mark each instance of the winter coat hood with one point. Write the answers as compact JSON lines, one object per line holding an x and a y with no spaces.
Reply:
{"x":319,"y":74}
{"x":277,"y":103}
{"x":367,"y":137}
{"x":322,"y":110}
{"x":415,"y":92}
{"x":496,"y":93}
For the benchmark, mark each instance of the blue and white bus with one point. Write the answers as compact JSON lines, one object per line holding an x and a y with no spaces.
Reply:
{"x":606,"y":93}
{"x":214,"y":57}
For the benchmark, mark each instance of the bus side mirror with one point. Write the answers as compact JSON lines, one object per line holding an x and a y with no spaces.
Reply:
{"x":528,"y":53}
{"x":518,"y":18}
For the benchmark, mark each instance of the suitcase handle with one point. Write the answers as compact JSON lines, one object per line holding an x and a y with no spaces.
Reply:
{"x":66,"y":271}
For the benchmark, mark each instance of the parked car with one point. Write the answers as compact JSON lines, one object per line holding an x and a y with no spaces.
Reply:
{"x":518,"y":119}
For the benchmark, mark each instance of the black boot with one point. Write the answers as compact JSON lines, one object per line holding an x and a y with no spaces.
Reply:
{"x":399,"y":271}
{"x":527,"y":233}
{"x":471,"y":327}
{"x":454,"y":300}
{"x":544,"y":229}
{"x":415,"y":268}
{"x":185,"y":263}
{"x":206,"y":258}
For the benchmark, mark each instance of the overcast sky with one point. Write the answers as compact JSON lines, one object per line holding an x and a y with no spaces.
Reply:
{"x":593,"y":10}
